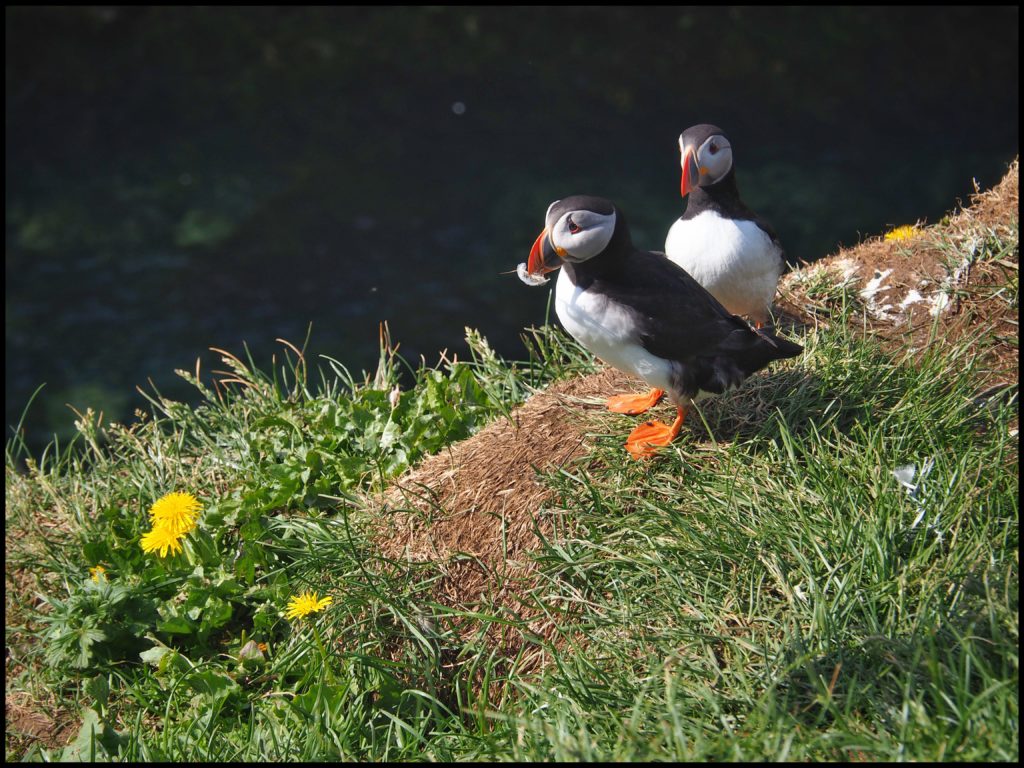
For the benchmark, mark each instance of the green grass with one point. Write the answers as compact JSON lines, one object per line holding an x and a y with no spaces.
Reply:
{"x":765,"y":589}
{"x":773,"y":598}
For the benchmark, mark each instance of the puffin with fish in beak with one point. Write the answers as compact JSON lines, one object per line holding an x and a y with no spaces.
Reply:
{"x":642,"y":314}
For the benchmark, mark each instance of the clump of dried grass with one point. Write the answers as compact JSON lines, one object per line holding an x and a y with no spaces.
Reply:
{"x":929,"y":288}
{"x":477,"y":510}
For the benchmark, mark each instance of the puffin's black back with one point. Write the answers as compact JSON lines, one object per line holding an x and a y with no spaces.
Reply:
{"x":677,"y":319}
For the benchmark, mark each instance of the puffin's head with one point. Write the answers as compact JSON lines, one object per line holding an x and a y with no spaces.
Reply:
{"x":576,"y":229}
{"x":705,"y":156}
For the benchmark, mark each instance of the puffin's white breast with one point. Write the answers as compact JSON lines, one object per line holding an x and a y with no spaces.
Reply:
{"x":608,"y":330}
{"x":736,"y":261}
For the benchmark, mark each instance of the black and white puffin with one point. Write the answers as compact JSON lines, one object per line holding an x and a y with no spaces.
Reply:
{"x":642,"y":314}
{"x":724,"y":246}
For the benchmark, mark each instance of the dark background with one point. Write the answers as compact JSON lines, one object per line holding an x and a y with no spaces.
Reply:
{"x":180,"y":178}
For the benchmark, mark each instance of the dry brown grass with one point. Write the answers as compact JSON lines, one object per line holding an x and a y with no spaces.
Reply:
{"x":922,"y":291}
{"x":47,"y":724}
{"x":34,"y":715}
{"x":477,"y":510}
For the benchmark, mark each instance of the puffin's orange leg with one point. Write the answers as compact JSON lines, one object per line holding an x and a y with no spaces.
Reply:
{"x":644,"y":441}
{"x":758,"y":325}
{"x":634,"y":404}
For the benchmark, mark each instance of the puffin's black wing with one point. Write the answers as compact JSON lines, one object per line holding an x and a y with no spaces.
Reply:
{"x":678,"y":320}
{"x":767,"y":228}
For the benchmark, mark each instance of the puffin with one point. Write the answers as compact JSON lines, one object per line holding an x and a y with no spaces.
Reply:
{"x":643,"y":314}
{"x":724,"y":245}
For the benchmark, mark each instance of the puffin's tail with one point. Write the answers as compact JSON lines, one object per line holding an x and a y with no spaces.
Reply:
{"x":783,"y":347}
{"x":741,"y":354}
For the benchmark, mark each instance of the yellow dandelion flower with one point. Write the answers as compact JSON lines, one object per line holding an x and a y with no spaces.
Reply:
{"x":308,"y":602}
{"x":96,"y":571}
{"x":176,"y":511}
{"x":906,"y":232}
{"x":162,"y":538}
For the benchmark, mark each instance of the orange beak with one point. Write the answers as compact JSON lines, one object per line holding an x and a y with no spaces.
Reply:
{"x":691,"y":174}
{"x":543,"y":257}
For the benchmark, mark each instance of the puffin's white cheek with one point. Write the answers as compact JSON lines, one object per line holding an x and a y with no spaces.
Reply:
{"x":720,"y":164}
{"x":591,"y":243}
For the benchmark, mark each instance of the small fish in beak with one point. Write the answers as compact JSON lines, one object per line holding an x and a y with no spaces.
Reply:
{"x":529,"y":279}
{"x":543,"y":259}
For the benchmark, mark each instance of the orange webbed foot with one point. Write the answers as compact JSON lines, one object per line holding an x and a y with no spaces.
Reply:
{"x":634,"y":404}
{"x":644,"y":441}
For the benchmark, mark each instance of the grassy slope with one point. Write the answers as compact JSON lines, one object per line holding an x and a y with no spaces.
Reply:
{"x":764,"y":589}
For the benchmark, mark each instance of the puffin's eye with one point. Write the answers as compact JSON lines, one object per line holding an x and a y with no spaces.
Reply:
{"x":573,"y":226}
{"x":713,"y":148}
